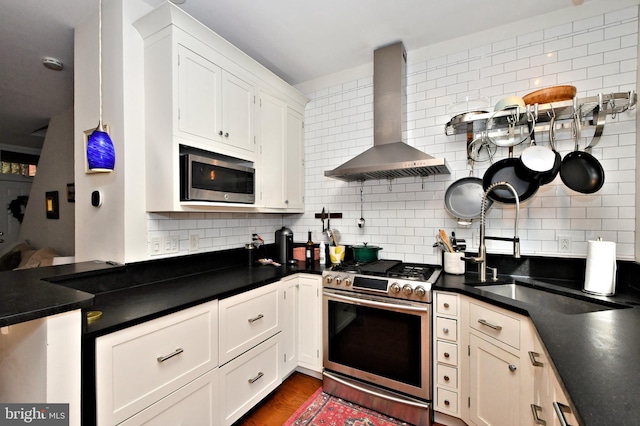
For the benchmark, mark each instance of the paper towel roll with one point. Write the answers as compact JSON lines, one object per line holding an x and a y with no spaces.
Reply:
{"x":600,"y":273}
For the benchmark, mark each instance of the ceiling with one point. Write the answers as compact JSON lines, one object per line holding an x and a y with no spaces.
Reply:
{"x":298,"y":40}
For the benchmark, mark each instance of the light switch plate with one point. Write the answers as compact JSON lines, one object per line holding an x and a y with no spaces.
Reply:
{"x":156,"y":245}
{"x":170,"y":244}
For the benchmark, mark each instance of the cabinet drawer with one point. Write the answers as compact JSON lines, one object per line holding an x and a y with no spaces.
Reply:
{"x":446,"y":329}
{"x":137,"y":366}
{"x":447,"y":376}
{"x":447,"y":400}
{"x":447,"y":304}
{"x":195,"y":403}
{"x":447,"y":353}
{"x":248,"y":319}
{"x":495,"y":324}
{"x":248,"y":378}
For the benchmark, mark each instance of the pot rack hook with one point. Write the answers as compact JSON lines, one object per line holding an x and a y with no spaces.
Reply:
{"x":632,"y":99}
{"x":390,"y":184}
{"x":612,"y":105}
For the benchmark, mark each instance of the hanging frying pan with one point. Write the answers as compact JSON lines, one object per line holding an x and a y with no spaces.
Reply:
{"x":463,"y":199}
{"x":505,"y":171}
{"x":580,"y":170}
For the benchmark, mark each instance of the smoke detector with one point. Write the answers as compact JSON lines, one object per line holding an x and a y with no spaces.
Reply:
{"x":52,"y":63}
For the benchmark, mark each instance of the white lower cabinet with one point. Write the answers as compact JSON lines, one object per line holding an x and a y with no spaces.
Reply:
{"x":446,"y":362}
{"x":195,"y":404}
{"x":140,"y":365}
{"x":289,"y":314}
{"x":310,"y":322}
{"x":247,"y":379}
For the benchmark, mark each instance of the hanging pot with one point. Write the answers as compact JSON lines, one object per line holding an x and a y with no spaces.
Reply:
{"x":505,"y":171}
{"x":580,"y":170}
{"x":365,"y":253}
{"x":463,"y":199}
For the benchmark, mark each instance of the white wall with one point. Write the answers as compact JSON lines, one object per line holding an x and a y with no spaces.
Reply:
{"x":594,"y":49}
{"x":55,"y":171}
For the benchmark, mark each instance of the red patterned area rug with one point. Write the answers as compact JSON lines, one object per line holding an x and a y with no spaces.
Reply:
{"x":323,"y":409}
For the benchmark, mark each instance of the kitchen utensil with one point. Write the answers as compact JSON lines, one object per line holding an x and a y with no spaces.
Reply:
{"x":557,"y":163}
{"x":361,"y":221}
{"x":505,"y":171}
{"x":580,"y":170}
{"x":445,"y":239}
{"x":509,"y":102}
{"x":463,"y":199}
{"x":535,"y":161}
{"x":322,"y":218}
{"x":481,"y":148}
{"x":509,"y":127}
{"x":332,"y":235}
{"x":284,"y":245}
{"x":550,"y":94}
{"x":365,"y":252}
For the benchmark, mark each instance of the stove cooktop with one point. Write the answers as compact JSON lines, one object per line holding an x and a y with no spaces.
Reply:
{"x":389,"y":268}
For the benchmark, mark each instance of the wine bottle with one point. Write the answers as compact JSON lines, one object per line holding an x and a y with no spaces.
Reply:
{"x":310,"y":252}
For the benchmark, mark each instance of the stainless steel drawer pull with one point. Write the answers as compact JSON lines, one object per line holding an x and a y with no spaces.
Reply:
{"x":488,"y":324}
{"x":255,"y":379}
{"x":534,"y":411}
{"x":252,"y":320}
{"x":534,"y":361}
{"x":560,"y":409}
{"x":171,"y":355}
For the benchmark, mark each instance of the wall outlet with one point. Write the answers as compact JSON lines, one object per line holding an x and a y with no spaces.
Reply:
{"x":564,"y":244}
{"x":170,"y":244}
{"x":156,"y":245}
{"x":193,"y":242}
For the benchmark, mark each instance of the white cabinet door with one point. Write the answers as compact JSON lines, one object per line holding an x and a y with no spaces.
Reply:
{"x":199,"y":97}
{"x":495,"y":384}
{"x":294,"y":164}
{"x":289,"y":315}
{"x":310,"y":323}
{"x":195,"y":404}
{"x":237,"y":113}
{"x":273,"y":116}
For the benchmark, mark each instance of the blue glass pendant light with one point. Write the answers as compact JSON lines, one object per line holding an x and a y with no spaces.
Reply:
{"x":101,"y":155}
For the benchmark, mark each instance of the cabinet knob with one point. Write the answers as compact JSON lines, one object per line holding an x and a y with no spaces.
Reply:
{"x":445,"y":330}
{"x":512,"y":367}
{"x":446,"y":378}
{"x":446,"y":355}
{"x":220,"y":132}
{"x":226,"y":135}
{"x":446,"y":305}
{"x":446,"y":402}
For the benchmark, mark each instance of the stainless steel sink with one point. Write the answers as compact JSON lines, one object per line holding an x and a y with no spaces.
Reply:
{"x":549,"y":298}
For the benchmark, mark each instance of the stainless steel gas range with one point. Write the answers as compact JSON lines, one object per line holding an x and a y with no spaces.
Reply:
{"x":377,"y":336}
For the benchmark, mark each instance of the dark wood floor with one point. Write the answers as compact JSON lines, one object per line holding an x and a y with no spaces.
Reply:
{"x":283,"y":402}
{"x":276,"y":409}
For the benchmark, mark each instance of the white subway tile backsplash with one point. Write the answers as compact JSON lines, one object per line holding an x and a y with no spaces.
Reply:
{"x":596,"y":54}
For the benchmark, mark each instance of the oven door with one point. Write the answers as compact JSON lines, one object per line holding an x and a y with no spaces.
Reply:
{"x":378,"y":340}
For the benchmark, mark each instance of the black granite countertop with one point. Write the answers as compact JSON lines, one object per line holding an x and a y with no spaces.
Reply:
{"x":595,"y":354}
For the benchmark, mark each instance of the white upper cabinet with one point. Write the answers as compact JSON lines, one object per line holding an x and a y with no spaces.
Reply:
{"x":200,"y":92}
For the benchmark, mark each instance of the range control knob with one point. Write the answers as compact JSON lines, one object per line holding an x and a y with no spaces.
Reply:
{"x":420,"y":291}
{"x":406,"y":289}
{"x":395,"y":288}
{"x":328,"y":279}
{"x":347,"y":282}
{"x":338,"y":280}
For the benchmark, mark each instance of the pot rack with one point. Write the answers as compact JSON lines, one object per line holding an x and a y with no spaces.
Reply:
{"x":476,"y":122}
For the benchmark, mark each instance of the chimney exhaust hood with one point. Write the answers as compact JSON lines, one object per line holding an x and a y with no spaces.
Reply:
{"x":389,"y":157}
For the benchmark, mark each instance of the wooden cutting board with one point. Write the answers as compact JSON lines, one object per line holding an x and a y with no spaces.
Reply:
{"x":550,"y":94}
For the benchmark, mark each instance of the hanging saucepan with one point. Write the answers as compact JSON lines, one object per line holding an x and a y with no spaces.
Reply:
{"x":505,"y":171}
{"x":537,"y":162}
{"x":508,"y":126}
{"x":580,"y":170}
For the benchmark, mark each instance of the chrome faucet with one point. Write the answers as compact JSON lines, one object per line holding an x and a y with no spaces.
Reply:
{"x":481,"y":259}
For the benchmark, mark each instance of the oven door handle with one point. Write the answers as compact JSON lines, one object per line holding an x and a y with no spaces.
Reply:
{"x":367,"y":302}
{"x":379,"y":395}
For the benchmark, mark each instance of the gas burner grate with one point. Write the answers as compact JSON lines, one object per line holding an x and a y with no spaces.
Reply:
{"x":412,"y":271}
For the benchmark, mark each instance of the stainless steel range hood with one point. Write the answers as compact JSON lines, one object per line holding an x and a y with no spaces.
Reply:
{"x":389,"y":157}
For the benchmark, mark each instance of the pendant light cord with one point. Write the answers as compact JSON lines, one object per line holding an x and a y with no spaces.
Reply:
{"x":100,"y":56}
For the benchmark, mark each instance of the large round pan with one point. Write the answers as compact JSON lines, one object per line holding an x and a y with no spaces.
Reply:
{"x":463,"y":199}
{"x":505,"y":171}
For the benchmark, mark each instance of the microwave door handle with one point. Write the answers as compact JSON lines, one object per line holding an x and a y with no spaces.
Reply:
{"x":365,"y":302}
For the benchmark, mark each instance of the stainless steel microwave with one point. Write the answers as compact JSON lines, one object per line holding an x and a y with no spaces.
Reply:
{"x":212,"y":179}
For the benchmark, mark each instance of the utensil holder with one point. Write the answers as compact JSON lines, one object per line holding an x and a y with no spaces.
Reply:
{"x":453,"y":263}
